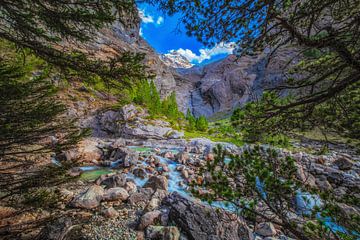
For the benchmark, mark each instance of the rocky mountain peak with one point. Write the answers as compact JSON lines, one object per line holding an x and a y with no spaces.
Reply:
{"x":175,"y":60}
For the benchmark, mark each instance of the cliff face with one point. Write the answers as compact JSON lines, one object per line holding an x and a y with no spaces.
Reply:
{"x":219,"y":87}
{"x":216,"y":88}
{"x":123,"y":36}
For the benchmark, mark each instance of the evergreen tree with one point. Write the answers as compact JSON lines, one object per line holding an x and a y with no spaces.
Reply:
{"x":33,"y":125}
{"x":170,"y":107}
{"x":44,"y":25}
{"x":155,"y":101}
{"x":324,"y":32}
{"x":191,"y":121}
{"x":142,"y":93}
{"x":262,"y":185}
{"x":202,"y":124}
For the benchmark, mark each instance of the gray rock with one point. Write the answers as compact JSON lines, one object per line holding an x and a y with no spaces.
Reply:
{"x":56,"y":230}
{"x":116,"y":193}
{"x":130,"y":187}
{"x":124,"y":156}
{"x":265,"y":229}
{"x":139,"y":172}
{"x":323,"y":184}
{"x":344,"y":163}
{"x":148,"y":219}
{"x":142,"y":197}
{"x":112,"y":181}
{"x":129,"y":112}
{"x":182,"y":157}
{"x":110,"y":212}
{"x":161,"y":232}
{"x":89,"y":199}
{"x":201,"y":222}
{"x":157,"y":182}
{"x":149,"y":131}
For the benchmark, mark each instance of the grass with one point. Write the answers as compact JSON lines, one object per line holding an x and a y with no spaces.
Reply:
{"x":93,"y":175}
{"x":197,"y":134}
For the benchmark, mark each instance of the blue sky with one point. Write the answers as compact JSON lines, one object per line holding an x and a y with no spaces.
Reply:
{"x":160,"y":31}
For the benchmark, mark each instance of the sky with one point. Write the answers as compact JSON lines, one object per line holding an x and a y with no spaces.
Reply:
{"x":162,"y":33}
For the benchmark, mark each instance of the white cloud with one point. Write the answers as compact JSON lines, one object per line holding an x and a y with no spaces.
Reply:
{"x":145,"y":18}
{"x":141,"y":33}
{"x":160,"y":20}
{"x":206,"y":53}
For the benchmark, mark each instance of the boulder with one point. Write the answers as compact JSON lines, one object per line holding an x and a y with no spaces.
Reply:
{"x":144,"y":130}
{"x":110,"y":122}
{"x":90,"y":198}
{"x":182,"y":157}
{"x":130,"y":187}
{"x":168,"y":155}
{"x":153,"y":204}
{"x":323,"y":184}
{"x":112,"y":181}
{"x":265,"y":229}
{"x":162,"y":232}
{"x":110,"y":212}
{"x":120,"y":142}
{"x":125,"y":156}
{"x":142,"y":197}
{"x":202,"y":222}
{"x":148,"y":219}
{"x":344,"y":163}
{"x":116,"y":193}
{"x":56,"y":230}
{"x":129,"y":112}
{"x":157,"y":182}
{"x":88,"y":151}
{"x":139,"y":172}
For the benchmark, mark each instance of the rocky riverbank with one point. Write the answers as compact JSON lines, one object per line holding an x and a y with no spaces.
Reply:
{"x":139,"y":183}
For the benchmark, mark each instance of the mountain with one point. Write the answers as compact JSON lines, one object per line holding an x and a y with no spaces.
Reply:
{"x":175,"y":60}
{"x":220,"y":87}
{"x":213,"y":89}
{"x":124,"y":36}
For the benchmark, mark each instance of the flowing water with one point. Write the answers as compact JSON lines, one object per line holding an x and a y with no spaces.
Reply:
{"x":305,"y":201}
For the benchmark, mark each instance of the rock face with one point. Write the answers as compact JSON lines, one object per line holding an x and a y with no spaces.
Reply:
{"x":200,"y":222}
{"x":130,"y":122}
{"x":223,"y":85}
{"x":89,"y":199}
{"x":124,"y":36}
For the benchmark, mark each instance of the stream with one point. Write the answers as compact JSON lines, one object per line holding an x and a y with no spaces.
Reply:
{"x":304,"y":201}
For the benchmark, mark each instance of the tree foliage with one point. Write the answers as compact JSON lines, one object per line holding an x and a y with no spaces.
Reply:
{"x":50,"y":28}
{"x":147,"y":95}
{"x":193,"y":123}
{"x":32,"y":126}
{"x":263,"y":185}
{"x":324,"y":32}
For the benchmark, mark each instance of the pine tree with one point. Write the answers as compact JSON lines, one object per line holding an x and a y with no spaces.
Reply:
{"x":155,"y":101}
{"x":202,"y":124}
{"x":191,"y":121}
{"x":170,"y":107}
{"x":30,"y":116}
{"x":324,"y":33}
